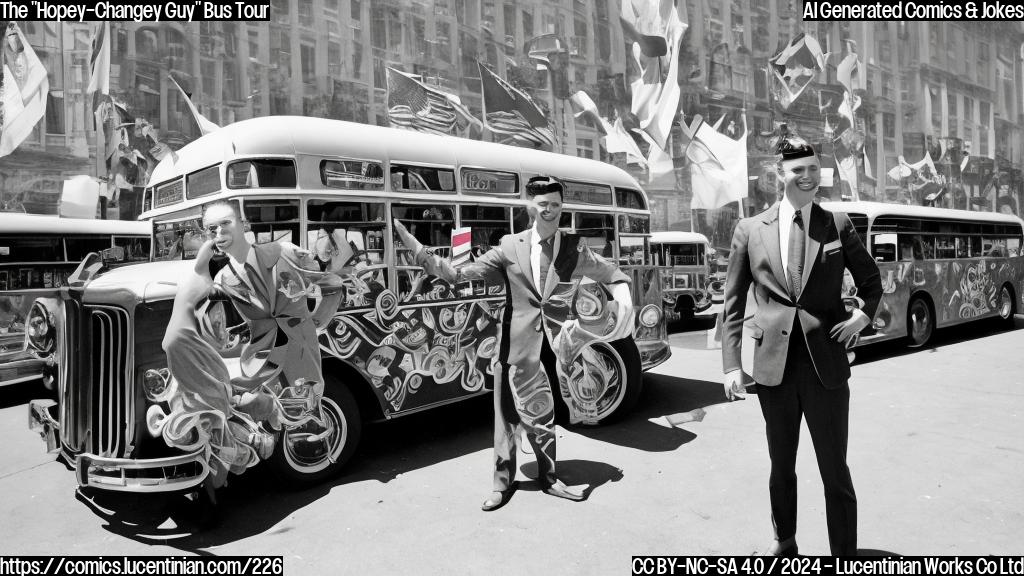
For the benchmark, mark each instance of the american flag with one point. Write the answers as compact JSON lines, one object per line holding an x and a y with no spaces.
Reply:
{"x":461,"y":240}
{"x":415,"y":106}
{"x":511,"y":115}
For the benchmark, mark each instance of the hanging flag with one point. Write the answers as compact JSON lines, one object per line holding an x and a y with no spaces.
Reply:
{"x":462,"y":239}
{"x":655,"y":99}
{"x":99,"y":61}
{"x":205,"y":126}
{"x":23,"y":89}
{"x":718,"y":171}
{"x":661,"y":172}
{"x":846,"y":149}
{"x":511,"y":115}
{"x":795,"y":66}
{"x":619,"y":140}
{"x":415,"y":106}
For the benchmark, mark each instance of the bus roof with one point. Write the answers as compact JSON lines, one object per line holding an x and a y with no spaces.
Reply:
{"x":18,"y":223}
{"x":873,"y":209}
{"x":674,"y":237}
{"x":292,"y":135}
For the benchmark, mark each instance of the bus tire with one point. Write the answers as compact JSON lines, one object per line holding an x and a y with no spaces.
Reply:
{"x":1006,"y":306}
{"x":300,"y":465}
{"x":920,"y":321}
{"x":624,"y":358}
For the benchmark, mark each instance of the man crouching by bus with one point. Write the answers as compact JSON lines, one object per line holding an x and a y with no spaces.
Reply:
{"x":529,"y":264}
{"x":269,"y":285}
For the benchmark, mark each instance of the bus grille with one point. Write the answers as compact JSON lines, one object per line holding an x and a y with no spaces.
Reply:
{"x":111,"y":378}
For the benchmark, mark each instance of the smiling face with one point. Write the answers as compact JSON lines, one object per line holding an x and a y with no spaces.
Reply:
{"x":545,"y":210}
{"x":800,"y":178}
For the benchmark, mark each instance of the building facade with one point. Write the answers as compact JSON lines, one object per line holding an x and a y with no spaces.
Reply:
{"x":952,"y":86}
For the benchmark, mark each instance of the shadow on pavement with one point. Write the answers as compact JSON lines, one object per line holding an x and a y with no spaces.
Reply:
{"x":255,"y":501}
{"x":941,"y":337}
{"x":665,"y":398}
{"x":575,"y":473}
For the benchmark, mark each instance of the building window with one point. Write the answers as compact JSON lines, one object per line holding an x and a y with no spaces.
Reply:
{"x":378,"y":28}
{"x":510,"y":22}
{"x":952,"y":114}
{"x":527,"y":24}
{"x":444,"y":41}
{"x":208,"y":69}
{"x":356,"y":9}
{"x":308,"y":61}
{"x":230,"y":81}
{"x":333,"y":59}
{"x":357,"y":59}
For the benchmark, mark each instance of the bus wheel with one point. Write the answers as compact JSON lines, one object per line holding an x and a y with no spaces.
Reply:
{"x":614,"y":371}
{"x":920,"y":323}
{"x":307,"y":455}
{"x":1006,"y":305}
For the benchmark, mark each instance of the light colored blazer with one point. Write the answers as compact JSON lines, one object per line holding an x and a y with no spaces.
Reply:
{"x":756,"y":259}
{"x":522,"y":323}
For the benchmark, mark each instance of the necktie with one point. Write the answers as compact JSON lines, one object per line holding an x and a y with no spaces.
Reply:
{"x":546,"y":253}
{"x":795,"y":262}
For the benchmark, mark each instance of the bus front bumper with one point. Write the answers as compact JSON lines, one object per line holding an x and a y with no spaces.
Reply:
{"x":170,"y":474}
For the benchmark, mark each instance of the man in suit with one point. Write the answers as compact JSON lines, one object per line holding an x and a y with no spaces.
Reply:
{"x":794,"y":255}
{"x":530,"y":264}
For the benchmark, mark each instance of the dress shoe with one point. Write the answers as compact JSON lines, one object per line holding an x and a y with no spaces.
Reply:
{"x":560,"y":490}
{"x":499,"y":498}
{"x":785,"y":548}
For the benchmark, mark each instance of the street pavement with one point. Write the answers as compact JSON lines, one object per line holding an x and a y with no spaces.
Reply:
{"x":935,"y":452}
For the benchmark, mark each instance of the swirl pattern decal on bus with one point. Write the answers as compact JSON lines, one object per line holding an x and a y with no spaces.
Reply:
{"x":976,"y":292}
{"x":415,"y":356}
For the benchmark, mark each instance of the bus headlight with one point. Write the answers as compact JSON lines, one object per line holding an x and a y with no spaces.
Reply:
{"x":650,"y":315}
{"x":156,"y":384}
{"x":40,"y":330}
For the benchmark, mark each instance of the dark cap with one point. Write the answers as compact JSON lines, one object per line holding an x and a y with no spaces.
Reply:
{"x":790,"y":146}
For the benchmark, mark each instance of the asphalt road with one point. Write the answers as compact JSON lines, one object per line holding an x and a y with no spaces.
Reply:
{"x":935,"y":452}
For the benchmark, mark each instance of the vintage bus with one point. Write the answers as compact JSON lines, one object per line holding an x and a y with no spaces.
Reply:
{"x":37,"y":253}
{"x":939,"y":267}
{"x":692,"y":285}
{"x":401,"y":341}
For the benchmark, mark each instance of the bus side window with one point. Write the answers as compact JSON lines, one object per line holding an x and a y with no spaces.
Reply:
{"x":994,"y":247}
{"x":918,"y":247}
{"x":272,"y":220}
{"x":883,"y":247}
{"x":962,"y":247}
{"x":353,"y":231}
{"x":908,"y":248}
{"x":1013,"y":246}
{"x":432,"y":226}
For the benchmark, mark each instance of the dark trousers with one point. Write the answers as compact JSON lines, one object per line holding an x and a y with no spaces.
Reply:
{"x":827,"y":412}
{"x":525,"y":396}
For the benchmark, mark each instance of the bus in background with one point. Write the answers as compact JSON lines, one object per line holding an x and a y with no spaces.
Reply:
{"x":939,"y":267}
{"x":691,"y":286}
{"x":37,"y":253}
{"x":400,"y":342}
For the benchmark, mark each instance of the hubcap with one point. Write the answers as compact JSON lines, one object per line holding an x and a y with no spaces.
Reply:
{"x":311,"y":448}
{"x":1005,"y":305}
{"x":600,"y":379}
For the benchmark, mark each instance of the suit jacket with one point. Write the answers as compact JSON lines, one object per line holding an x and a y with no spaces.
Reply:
{"x":832,"y":246}
{"x":275,"y":304}
{"x":508,"y":263}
